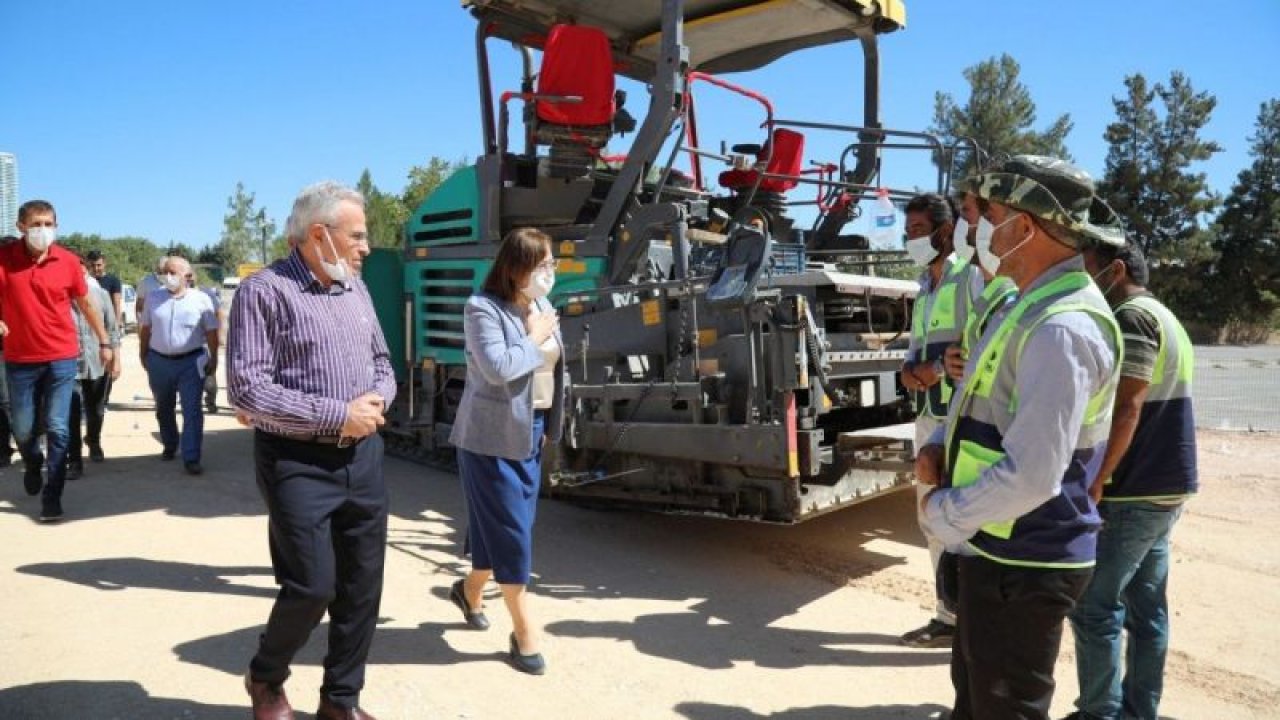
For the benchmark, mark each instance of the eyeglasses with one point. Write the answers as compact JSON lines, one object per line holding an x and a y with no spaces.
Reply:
{"x":360,"y":238}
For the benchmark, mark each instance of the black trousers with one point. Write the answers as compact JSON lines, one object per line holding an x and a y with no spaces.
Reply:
{"x":1007,"y":636}
{"x":88,"y":407}
{"x":328,"y":520}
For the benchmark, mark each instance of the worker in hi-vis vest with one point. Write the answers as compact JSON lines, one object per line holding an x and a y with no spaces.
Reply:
{"x":948,"y":287}
{"x":1023,"y":441}
{"x":1147,"y":475}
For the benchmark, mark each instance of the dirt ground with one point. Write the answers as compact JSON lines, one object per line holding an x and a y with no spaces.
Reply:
{"x":147,"y":601}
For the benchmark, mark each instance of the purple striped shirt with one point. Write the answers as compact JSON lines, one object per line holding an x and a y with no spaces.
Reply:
{"x":298,"y":353}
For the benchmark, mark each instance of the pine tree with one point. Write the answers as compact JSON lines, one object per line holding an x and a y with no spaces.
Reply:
{"x":998,"y":115}
{"x":1246,"y":280}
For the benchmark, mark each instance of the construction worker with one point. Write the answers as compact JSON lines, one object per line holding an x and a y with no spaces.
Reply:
{"x":1023,"y":442}
{"x":937,"y":319}
{"x":1147,"y":474}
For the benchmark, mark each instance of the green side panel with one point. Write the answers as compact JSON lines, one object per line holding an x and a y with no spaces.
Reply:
{"x":449,"y":216}
{"x":441,"y":287}
{"x":381,"y":273}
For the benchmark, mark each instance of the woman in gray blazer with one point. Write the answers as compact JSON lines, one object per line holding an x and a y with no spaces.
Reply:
{"x":512,"y":404}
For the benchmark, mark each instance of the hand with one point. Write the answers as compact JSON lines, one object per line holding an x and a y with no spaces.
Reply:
{"x":211,"y":367}
{"x":927,"y":374}
{"x":1095,"y":490}
{"x":929,"y":465}
{"x":364,"y":416}
{"x":541,"y":325}
{"x":142,"y":358}
{"x":909,"y":380}
{"x":242,"y":418}
{"x":115,"y":367}
{"x":954,"y":360}
{"x":106,"y":354}
{"x":4,"y":329}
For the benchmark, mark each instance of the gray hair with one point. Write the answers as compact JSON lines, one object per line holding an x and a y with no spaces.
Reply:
{"x":318,"y":203}
{"x":164,"y":260}
{"x":180,"y":264}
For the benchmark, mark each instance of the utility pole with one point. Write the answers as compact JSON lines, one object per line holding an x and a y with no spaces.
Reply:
{"x":262,"y":226}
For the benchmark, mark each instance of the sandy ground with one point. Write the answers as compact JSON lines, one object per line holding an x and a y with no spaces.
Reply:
{"x":147,"y":601}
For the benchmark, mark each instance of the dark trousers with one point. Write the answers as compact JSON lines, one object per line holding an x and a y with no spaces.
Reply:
{"x":1007,"y":636}
{"x":6,"y":431}
{"x":328,"y":521}
{"x":88,"y":404}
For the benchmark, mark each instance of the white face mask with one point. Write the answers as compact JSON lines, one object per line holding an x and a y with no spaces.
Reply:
{"x":170,"y":281}
{"x":960,"y":240}
{"x":986,"y":256}
{"x":40,"y":238}
{"x":921,"y":250}
{"x":1110,"y":285}
{"x":540,"y":284}
{"x":339,"y":271}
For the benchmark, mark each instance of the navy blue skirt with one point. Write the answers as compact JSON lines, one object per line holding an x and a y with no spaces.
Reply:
{"x":502,"y":499}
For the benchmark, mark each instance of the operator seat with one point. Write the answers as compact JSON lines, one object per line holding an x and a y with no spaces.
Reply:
{"x":577,"y":61}
{"x":788,"y":154}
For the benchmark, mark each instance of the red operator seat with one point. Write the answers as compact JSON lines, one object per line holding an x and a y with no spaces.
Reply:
{"x":577,"y":61}
{"x":788,"y":153}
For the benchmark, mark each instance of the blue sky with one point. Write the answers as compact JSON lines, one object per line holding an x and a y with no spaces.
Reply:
{"x":139,"y":117}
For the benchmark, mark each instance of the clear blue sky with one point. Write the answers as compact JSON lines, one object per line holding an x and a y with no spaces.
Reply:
{"x":138,"y":117}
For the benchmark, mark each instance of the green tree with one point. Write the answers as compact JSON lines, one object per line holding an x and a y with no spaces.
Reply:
{"x":998,"y":115}
{"x":1148,"y":178}
{"x":242,"y":229}
{"x":1246,"y":280}
{"x":424,"y":179}
{"x":385,"y":214}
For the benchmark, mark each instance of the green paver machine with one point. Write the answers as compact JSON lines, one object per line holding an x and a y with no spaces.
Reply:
{"x":723,"y":360}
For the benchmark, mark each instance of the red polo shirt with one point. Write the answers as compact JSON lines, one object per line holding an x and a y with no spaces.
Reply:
{"x":35,"y":302}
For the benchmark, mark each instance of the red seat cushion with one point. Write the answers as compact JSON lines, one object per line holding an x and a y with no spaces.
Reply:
{"x":788,"y":155}
{"x":577,"y":61}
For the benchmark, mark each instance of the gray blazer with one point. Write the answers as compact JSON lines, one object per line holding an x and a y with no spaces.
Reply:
{"x":495,"y":416}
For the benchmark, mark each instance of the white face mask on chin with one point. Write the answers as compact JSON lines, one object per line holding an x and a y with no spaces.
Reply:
{"x":171,"y":282}
{"x":338,"y":272}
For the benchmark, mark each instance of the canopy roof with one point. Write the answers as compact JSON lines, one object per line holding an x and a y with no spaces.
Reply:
{"x":722,"y":35}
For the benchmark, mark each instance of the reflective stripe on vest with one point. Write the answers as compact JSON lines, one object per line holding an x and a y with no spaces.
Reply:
{"x":998,"y":291}
{"x":1058,"y":534}
{"x":946,"y":314}
{"x":1160,"y":463}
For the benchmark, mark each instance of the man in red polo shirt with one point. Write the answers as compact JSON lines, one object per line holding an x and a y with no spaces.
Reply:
{"x":38,"y":282}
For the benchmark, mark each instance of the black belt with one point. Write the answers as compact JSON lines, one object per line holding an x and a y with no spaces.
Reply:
{"x":336,"y":440}
{"x":179,"y":356}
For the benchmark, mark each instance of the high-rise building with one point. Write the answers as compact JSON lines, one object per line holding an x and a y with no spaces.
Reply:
{"x":8,"y":194}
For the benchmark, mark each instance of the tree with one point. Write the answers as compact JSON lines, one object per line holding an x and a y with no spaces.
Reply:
{"x":242,"y":229}
{"x":424,"y":179}
{"x":385,"y":214}
{"x":998,"y":115}
{"x":1246,"y":280}
{"x":1148,"y":180}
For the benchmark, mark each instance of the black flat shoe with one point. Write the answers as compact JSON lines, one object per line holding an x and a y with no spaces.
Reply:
{"x":475,"y":620}
{"x":532,"y":664}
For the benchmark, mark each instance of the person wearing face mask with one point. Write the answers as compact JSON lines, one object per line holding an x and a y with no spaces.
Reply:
{"x":1023,"y":442}
{"x":39,"y":282}
{"x":1147,"y":475}
{"x":88,"y":398}
{"x":174,"y":329}
{"x":937,"y":317}
{"x":150,"y":283}
{"x":512,"y":405}
{"x":308,"y":369}
{"x":989,"y":291}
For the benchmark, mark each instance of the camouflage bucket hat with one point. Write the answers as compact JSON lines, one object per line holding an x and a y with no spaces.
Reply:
{"x":1045,"y":187}
{"x":1104,"y":226}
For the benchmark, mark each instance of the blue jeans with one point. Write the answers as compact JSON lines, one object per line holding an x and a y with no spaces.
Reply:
{"x":170,"y":380}
{"x":1127,"y":592}
{"x":44,"y":390}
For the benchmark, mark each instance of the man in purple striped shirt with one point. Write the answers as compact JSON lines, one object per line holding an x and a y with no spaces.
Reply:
{"x":308,"y":368}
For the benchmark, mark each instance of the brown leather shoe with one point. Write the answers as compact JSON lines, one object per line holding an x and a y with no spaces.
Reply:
{"x":330,"y":710}
{"x":269,"y":701}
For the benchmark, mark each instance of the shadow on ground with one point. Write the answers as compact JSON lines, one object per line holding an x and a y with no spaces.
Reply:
{"x":106,"y":699}
{"x":709,"y":711}
{"x":121,"y":573}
